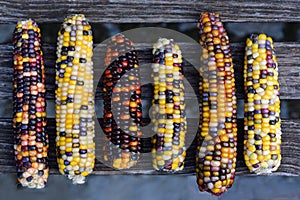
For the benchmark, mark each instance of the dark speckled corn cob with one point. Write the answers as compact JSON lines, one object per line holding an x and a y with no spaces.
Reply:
{"x":29,"y":107}
{"x":216,"y":151}
{"x":169,"y":117}
{"x":122,"y":103}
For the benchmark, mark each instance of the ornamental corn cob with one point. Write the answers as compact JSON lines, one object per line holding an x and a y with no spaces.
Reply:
{"x":262,"y":106}
{"x":169,"y":117}
{"x":75,"y":99}
{"x":216,"y":151}
{"x":122,"y":103}
{"x":29,"y":107}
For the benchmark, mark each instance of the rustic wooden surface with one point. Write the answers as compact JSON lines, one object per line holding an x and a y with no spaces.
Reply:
{"x":123,"y":11}
{"x":157,"y":11}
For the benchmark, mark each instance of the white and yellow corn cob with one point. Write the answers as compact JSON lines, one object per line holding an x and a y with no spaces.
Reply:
{"x":75,"y":99}
{"x":169,"y":117}
{"x":262,"y":106}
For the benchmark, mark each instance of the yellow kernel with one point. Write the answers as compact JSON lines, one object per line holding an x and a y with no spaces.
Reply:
{"x":85,"y":173}
{"x":262,"y":37}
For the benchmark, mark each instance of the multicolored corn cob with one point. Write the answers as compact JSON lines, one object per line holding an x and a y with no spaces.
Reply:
{"x":75,"y":147}
{"x":122,"y":103}
{"x":168,"y":112}
{"x":262,"y":106}
{"x":29,"y":106}
{"x":217,"y":138}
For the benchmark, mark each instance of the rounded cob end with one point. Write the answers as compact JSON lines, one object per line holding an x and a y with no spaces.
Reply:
{"x":37,"y":182}
{"x":77,"y":179}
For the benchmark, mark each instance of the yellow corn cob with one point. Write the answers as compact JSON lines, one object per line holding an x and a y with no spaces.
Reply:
{"x":122,"y":148}
{"x":29,"y":119}
{"x":75,"y":99}
{"x":262,"y":106}
{"x":169,"y":118}
{"x":217,"y":138}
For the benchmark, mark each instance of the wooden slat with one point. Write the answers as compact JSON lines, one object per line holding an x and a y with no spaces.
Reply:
{"x":290,"y":151}
{"x":287,"y":54}
{"x":136,"y":11}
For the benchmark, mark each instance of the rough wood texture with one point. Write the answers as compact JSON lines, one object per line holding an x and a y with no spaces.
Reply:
{"x":290,"y":151}
{"x":137,"y":11}
{"x":287,"y":53}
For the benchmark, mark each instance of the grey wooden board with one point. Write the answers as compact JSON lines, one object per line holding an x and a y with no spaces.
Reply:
{"x":137,"y":11}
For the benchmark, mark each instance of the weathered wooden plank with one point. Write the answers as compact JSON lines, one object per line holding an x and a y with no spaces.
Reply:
{"x":290,"y":152}
{"x":137,"y":11}
{"x":287,"y":54}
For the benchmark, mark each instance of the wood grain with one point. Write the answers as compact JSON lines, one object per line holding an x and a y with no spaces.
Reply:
{"x":137,"y":11}
{"x":287,"y":54}
{"x":290,"y":152}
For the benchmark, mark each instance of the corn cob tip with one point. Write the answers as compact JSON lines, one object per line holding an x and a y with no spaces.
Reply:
{"x":25,"y":22}
{"x":77,"y":179}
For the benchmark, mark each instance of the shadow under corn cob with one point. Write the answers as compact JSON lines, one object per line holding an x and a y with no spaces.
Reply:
{"x":29,"y":106}
{"x":75,"y":147}
{"x":217,"y":136}
{"x":262,"y":106}
{"x":122,"y":103}
{"x":168,"y":112}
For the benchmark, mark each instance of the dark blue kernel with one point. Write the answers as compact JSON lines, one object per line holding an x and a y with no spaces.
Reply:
{"x":82,"y":151}
{"x":25,"y":159}
{"x":24,"y":126}
{"x":29,"y":179}
{"x":40,"y":172}
{"x":82,"y":60}
{"x":85,"y":32}
{"x":20,"y":175}
{"x":66,"y":171}
{"x":69,"y":153}
{"x":257,"y":112}
{"x":64,"y":62}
